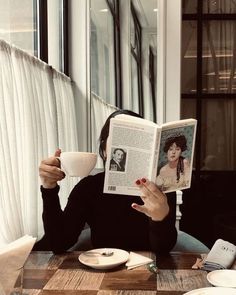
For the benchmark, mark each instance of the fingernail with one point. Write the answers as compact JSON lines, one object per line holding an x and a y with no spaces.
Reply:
{"x":143,"y":180}
{"x":138,"y":182}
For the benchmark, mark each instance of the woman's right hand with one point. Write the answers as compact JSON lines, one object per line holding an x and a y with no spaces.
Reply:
{"x":50,"y":172}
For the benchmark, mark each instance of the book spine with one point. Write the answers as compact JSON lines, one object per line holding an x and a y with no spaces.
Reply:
{"x":156,"y":153}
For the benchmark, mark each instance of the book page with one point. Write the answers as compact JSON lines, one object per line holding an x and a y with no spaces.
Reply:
{"x":130,"y":154}
{"x":137,"y":120}
{"x":174,"y":168}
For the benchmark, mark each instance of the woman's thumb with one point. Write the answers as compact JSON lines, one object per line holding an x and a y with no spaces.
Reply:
{"x":57,"y":153}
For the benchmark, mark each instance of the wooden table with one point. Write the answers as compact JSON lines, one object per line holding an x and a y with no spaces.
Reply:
{"x":48,"y":274}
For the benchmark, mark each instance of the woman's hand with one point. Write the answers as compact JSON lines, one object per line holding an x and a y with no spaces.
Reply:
{"x":50,"y":172}
{"x":155,"y":202}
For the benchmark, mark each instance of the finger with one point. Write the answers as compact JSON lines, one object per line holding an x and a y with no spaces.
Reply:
{"x":148,"y":188}
{"x":52,"y":161}
{"x":151,"y":186}
{"x":145,"y":192}
{"x":57,"y":152}
{"x":53,"y":170}
{"x":139,"y":208}
{"x":144,"y":200}
{"x":50,"y":176}
{"x":143,"y":197}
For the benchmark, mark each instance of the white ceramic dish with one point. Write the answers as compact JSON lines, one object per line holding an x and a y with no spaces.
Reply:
{"x":212,"y":291}
{"x":222,"y":278}
{"x":101,"y":262}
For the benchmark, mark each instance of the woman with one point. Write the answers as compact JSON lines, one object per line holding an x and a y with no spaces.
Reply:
{"x":128,"y":222}
{"x":175,"y":174}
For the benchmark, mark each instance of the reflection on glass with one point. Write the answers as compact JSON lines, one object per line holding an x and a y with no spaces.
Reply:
{"x":143,"y":44}
{"x":218,"y":134}
{"x":189,"y":56}
{"x":18,"y":24}
{"x":188,"y":110}
{"x":219,"y":6}
{"x":132,"y":34}
{"x":151,"y":106}
{"x":102,"y":51}
{"x":136,"y":62}
{"x":135,"y":36}
{"x":219,"y":57}
{"x":94,"y":58}
{"x":55,"y":34}
{"x":134,"y":85}
{"x":189,"y":6}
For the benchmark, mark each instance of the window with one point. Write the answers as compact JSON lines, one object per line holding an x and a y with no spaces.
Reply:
{"x":152,"y":79}
{"x":208,"y":94}
{"x":18,"y":24}
{"x":209,"y":81}
{"x":38,"y":27}
{"x":136,"y":64}
{"x":57,"y":35}
{"x":105,"y":52}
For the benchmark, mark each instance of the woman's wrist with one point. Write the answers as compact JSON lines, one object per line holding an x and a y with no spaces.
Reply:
{"x":160,"y":216}
{"x":49,"y":185}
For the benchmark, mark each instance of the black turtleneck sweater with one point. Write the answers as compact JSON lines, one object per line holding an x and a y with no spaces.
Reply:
{"x":112,"y":221}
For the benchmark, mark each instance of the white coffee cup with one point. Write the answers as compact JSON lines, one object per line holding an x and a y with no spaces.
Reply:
{"x":78,"y":164}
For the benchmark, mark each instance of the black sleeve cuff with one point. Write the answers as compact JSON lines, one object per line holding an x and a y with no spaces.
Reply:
{"x":49,"y":193}
{"x":50,"y":190}
{"x":159,"y":224}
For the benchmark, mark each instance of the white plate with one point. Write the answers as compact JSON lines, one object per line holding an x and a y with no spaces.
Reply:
{"x":102,"y":262}
{"x":222,"y":278}
{"x":212,"y":291}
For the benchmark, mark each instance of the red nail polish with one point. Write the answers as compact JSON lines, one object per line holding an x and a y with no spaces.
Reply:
{"x":138,"y":182}
{"x":143,"y":180}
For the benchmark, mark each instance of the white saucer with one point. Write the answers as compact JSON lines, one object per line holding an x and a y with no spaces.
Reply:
{"x":222,"y":278}
{"x":212,"y":291}
{"x":101,"y":262}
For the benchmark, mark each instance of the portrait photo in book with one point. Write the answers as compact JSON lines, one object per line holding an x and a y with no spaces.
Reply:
{"x":118,"y":159}
{"x":175,"y":159}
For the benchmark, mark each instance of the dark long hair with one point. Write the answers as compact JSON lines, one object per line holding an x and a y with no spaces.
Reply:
{"x":181,"y":142}
{"x":105,"y":130}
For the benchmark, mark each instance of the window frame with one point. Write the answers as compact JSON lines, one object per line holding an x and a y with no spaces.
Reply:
{"x":138,"y":57}
{"x":152,"y":82}
{"x":199,"y":95}
{"x":65,"y":28}
{"x":42,"y":41}
{"x":114,"y":9}
{"x":43,"y":29}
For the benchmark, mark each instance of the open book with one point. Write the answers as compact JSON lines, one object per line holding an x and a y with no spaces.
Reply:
{"x":138,"y":148}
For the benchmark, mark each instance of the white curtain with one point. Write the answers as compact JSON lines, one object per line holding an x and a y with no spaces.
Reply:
{"x":66,"y":125}
{"x":100,"y":112}
{"x":35,"y":103}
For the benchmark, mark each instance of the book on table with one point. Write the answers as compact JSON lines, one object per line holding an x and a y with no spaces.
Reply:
{"x":139,"y":148}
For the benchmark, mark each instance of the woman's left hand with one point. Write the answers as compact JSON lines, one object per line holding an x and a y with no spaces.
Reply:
{"x":155,"y":202}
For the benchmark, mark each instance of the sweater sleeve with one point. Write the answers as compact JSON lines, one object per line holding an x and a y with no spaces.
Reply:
{"x":163,"y":234}
{"x":63,"y":227}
